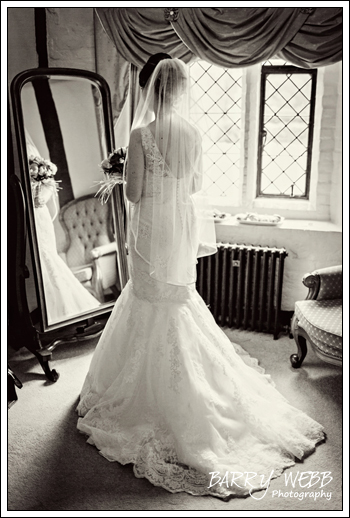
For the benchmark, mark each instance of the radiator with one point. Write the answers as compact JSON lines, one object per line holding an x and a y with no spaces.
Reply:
{"x":242,"y":286}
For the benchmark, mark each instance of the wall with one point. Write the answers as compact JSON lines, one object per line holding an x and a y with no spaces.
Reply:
{"x":21,"y":41}
{"x":337,"y":180}
{"x":329,"y":165}
{"x":70,"y":37}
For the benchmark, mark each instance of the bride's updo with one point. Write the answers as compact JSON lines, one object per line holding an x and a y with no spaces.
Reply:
{"x":168,"y":76}
{"x":150,"y":66}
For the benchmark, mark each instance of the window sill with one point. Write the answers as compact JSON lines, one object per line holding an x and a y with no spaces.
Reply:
{"x":291,"y":210}
{"x":288,"y":224}
{"x":283,"y":203}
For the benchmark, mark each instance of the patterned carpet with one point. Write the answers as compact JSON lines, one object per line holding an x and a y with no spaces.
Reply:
{"x":52,"y":468}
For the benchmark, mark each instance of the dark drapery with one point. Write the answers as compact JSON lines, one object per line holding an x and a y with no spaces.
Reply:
{"x":228,"y":37}
{"x":111,"y":65}
{"x":318,"y":42}
{"x":237,"y":37}
{"x":138,"y":33}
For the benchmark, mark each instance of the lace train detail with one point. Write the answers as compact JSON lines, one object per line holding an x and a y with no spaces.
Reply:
{"x":168,"y":392}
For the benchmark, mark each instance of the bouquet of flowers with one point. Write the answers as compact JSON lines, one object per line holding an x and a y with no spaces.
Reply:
{"x":42,"y":173}
{"x":113,"y":167}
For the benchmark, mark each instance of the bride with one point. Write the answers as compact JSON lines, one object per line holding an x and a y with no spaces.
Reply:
{"x":166,"y":389}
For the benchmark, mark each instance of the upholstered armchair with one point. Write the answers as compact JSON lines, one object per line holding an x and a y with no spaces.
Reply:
{"x":91,"y":251}
{"x":318,"y":319}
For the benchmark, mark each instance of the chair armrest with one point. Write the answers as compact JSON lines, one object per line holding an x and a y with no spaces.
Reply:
{"x":325,"y":283}
{"x":105,"y":268}
{"x":100,"y":251}
{"x":83,"y":273}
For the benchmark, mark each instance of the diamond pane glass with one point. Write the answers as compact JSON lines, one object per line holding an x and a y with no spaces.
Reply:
{"x":216,"y":111}
{"x":286,"y":126}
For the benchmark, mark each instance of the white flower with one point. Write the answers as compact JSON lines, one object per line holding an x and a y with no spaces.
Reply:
{"x":54,"y":168}
{"x":106,"y":164}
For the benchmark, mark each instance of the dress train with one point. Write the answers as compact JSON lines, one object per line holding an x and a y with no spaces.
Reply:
{"x":168,"y":392}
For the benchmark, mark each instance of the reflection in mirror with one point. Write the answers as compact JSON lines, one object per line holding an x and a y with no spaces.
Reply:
{"x":65,"y":141}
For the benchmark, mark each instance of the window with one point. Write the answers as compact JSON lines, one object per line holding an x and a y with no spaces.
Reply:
{"x":286,"y":117}
{"x":217,"y":112}
{"x":287,"y":109}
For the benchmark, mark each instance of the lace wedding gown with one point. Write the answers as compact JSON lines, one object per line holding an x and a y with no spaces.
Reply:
{"x":168,"y":392}
{"x":64,"y":294}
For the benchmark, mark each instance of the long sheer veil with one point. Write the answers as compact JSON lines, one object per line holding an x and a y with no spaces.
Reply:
{"x":173,"y":212}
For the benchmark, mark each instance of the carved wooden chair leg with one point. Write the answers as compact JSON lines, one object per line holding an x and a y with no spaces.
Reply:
{"x":297,"y":359}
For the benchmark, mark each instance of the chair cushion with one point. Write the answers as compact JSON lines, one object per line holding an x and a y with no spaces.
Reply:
{"x":328,"y":350}
{"x":82,"y":273}
{"x":322,"y":320}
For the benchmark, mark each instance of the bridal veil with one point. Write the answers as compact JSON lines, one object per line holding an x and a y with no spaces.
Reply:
{"x":180,"y":225}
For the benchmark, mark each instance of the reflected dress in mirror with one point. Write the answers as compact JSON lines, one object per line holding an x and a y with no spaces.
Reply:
{"x":64,"y":294}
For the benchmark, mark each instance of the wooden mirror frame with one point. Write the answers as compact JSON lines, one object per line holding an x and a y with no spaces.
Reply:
{"x":22,"y":331}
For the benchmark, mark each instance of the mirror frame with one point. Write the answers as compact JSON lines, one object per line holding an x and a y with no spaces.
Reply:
{"x":116,"y":199}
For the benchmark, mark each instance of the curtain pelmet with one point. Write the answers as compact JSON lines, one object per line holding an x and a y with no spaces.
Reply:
{"x":319,"y":42}
{"x":138,"y":33}
{"x":227,"y":37}
{"x":241,"y":37}
{"x":236,"y":37}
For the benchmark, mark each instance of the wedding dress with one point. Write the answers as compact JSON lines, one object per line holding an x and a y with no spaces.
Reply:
{"x":168,"y":391}
{"x":64,"y":294}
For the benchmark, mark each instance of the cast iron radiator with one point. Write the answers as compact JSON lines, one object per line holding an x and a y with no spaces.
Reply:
{"x":242,"y":286}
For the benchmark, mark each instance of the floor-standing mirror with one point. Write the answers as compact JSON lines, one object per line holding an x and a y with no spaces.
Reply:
{"x":64,"y":131}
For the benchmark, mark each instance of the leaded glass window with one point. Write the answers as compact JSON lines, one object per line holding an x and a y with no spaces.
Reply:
{"x":287,"y":109}
{"x":217,"y":112}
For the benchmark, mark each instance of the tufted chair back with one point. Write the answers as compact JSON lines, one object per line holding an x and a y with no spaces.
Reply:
{"x":88,"y":224}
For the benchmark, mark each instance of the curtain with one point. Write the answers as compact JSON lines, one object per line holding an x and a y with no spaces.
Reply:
{"x":227,"y":37}
{"x":240,"y":37}
{"x":113,"y":67}
{"x":124,"y":122}
{"x":319,"y":42}
{"x":137,"y":33}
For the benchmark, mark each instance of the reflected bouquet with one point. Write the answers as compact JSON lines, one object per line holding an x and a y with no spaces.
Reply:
{"x":42,"y":174}
{"x":113,"y":167}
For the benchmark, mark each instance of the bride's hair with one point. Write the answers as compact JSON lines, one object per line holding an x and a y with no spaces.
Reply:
{"x":169,"y":82}
{"x":150,"y":66}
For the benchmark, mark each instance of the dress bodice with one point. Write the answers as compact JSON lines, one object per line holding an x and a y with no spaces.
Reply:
{"x":157,"y":176}
{"x":157,"y":173}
